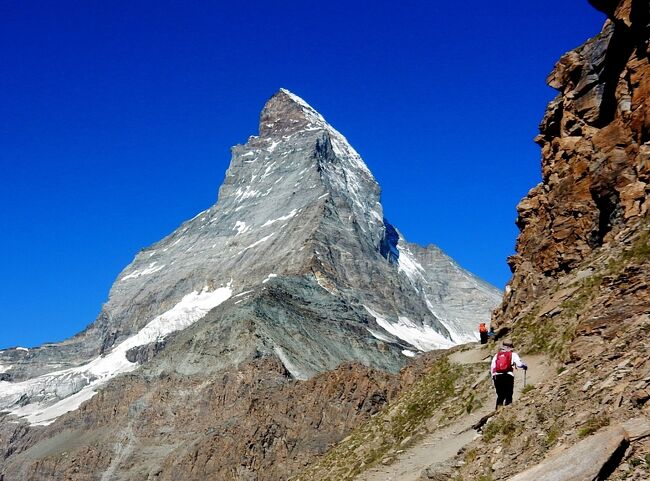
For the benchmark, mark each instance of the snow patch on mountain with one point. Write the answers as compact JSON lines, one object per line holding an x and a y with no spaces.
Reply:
{"x":424,"y":337}
{"x":241,"y":227}
{"x":268,"y":278}
{"x":379,"y":336}
{"x":408,"y":265}
{"x":289,"y":365}
{"x":457,"y":337}
{"x":256,"y":243}
{"x":143,"y":272}
{"x":284,"y":217}
{"x":62,"y":391}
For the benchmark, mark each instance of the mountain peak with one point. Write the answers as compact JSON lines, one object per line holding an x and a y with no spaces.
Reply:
{"x":298,"y":223}
{"x":285,"y":113}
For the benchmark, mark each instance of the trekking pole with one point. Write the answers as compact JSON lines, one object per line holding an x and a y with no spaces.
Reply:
{"x":525,"y":371}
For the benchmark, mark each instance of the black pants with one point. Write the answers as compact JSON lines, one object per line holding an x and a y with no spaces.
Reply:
{"x":484,"y":337}
{"x":504,"y":384}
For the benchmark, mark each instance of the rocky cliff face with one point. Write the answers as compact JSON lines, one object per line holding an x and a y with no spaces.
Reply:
{"x":579,"y":290}
{"x":194,"y":361}
{"x":595,"y":156}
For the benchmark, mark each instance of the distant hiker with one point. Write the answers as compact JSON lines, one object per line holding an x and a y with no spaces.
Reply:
{"x":483,"y":332}
{"x":503,"y":374}
{"x":491,"y":333}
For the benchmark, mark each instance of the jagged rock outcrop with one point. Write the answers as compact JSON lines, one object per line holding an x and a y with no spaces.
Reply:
{"x":595,"y":156}
{"x":191,"y":366}
{"x":581,"y":274}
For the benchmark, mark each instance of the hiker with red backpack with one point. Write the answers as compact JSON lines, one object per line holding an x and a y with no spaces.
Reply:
{"x":483,"y":332}
{"x":503,"y":374}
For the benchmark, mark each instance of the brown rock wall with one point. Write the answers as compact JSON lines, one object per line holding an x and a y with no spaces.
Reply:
{"x":595,"y":148}
{"x":581,"y":273}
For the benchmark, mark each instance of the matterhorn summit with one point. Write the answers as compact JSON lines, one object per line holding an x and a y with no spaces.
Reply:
{"x":294,"y":264}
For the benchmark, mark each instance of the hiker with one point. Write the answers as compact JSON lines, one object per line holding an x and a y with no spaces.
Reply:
{"x":503,"y":374}
{"x":491,"y":333}
{"x":483,"y":332}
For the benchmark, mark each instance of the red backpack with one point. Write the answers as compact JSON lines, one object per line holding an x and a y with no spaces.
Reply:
{"x":504,"y":362}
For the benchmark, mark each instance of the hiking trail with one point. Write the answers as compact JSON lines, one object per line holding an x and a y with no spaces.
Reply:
{"x":442,"y":444}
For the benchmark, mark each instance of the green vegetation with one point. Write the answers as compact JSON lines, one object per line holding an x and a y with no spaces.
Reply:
{"x":552,"y":334}
{"x":592,"y":425}
{"x":527,"y":388}
{"x":396,"y":425}
{"x":471,"y":455}
{"x":639,"y":251}
{"x":502,"y":425}
{"x":553,"y":434}
{"x":472,"y":403}
{"x":421,"y":403}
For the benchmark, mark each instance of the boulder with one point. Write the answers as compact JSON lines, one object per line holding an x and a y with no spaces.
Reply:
{"x":584,"y":461}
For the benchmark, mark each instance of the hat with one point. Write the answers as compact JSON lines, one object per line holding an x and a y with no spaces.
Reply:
{"x":508,"y":343}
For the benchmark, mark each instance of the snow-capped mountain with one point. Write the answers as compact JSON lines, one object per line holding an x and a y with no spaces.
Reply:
{"x":295,"y":261}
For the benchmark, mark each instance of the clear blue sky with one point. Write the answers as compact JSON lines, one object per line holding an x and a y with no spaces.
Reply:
{"x":116,"y":120}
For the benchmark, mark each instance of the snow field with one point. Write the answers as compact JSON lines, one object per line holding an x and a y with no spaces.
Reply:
{"x":62,"y":391}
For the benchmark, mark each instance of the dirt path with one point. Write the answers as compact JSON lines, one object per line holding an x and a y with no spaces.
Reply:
{"x":443,"y":444}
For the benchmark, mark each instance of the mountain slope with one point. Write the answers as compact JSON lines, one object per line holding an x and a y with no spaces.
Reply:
{"x":579,"y":295}
{"x":292,"y":272}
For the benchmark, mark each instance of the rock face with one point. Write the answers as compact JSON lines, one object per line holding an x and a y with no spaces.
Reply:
{"x":292,"y":273}
{"x":581,"y":274}
{"x":596,"y":454}
{"x":595,"y":155}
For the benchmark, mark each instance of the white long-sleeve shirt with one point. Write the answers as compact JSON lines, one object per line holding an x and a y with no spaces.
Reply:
{"x":516,"y":360}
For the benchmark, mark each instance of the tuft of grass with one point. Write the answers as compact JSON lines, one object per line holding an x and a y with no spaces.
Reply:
{"x":527,"y":388}
{"x":438,"y":385}
{"x":639,"y":251}
{"x":505,"y":426}
{"x":553,"y":434}
{"x":553,"y":335}
{"x":471,"y":455}
{"x":533,"y":332}
{"x":593,"y":424}
{"x":470,"y":404}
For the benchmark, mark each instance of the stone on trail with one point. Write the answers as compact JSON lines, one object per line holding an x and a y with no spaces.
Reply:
{"x":583,"y":461}
{"x":637,"y":428}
